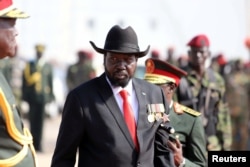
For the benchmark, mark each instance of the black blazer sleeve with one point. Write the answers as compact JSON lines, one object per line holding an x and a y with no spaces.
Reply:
{"x":163,"y":155}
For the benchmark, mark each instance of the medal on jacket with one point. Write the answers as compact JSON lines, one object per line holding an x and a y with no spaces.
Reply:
{"x":155,"y":112}
{"x":151,"y":118}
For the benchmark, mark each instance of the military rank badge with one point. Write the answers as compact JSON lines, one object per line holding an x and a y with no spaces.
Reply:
{"x":155,"y":112}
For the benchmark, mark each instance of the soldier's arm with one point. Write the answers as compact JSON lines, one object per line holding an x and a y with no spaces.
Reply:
{"x":224,"y":123}
{"x":197,"y":146}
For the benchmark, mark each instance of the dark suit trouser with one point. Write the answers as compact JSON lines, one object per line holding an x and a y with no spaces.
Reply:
{"x":36,"y":118}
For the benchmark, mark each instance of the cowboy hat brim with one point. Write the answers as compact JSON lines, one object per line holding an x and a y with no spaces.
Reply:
{"x":103,"y":51}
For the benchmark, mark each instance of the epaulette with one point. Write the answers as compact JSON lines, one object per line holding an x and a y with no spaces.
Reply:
{"x":190,"y":111}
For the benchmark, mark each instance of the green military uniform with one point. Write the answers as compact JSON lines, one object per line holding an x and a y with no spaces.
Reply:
{"x":207,"y":95}
{"x":37,"y":90}
{"x":81,"y":71}
{"x":186,"y":122}
{"x":237,"y":95}
{"x":188,"y":127}
{"x":16,"y":145}
{"x":15,"y":141}
{"x":6,"y":68}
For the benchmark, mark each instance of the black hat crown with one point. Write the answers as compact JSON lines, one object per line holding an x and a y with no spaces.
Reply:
{"x":120,"y":40}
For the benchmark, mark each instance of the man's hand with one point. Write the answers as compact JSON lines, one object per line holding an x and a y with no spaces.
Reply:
{"x":176,"y":147}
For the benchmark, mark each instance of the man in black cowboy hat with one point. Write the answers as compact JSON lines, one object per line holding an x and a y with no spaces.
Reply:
{"x":112,"y":119}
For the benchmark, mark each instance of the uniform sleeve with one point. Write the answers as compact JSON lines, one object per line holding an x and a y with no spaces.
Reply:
{"x":224,"y":125}
{"x":224,"y":120}
{"x":196,"y":146}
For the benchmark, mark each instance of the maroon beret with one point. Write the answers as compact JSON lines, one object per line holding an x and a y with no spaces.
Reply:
{"x":199,"y":41}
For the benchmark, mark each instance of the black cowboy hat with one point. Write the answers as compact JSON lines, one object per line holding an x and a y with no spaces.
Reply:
{"x":121,"y":40}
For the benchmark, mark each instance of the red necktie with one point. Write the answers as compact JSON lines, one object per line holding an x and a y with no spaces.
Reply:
{"x":129,"y":117}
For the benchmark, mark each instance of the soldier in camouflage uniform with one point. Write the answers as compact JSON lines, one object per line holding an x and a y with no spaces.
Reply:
{"x":16,"y":144}
{"x":237,"y":95}
{"x":81,"y":71}
{"x":204,"y":90}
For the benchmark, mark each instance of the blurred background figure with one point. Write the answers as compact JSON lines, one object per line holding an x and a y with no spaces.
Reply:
{"x":81,"y":71}
{"x":155,"y":54}
{"x":237,"y":95}
{"x":222,"y":63}
{"x":219,"y":64}
{"x":171,"y":55}
{"x":37,"y":91}
{"x":182,"y":62}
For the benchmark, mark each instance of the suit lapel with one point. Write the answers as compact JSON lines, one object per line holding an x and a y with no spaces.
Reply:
{"x":107,"y":94}
{"x":142,"y":110}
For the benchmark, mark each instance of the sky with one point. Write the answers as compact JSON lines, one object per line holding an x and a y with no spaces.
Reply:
{"x":67,"y":26}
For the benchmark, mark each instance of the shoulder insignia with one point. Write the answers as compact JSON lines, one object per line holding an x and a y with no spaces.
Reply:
{"x":190,"y":111}
{"x":177,"y":108}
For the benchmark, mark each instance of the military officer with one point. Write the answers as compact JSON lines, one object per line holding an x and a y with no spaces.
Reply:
{"x":37,"y":91}
{"x":16,"y":148}
{"x":203,"y":90}
{"x":188,"y":144}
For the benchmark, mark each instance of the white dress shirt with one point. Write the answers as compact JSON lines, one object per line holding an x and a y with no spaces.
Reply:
{"x":131,"y":97}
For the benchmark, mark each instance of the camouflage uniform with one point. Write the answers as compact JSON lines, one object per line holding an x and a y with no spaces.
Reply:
{"x":207,"y":96}
{"x":237,"y":95}
{"x":79,"y":73}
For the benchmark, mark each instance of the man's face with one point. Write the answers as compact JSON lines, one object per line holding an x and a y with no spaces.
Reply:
{"x":168,"y":89}
{"x":8,"y":45}
{"x":198,"y":56}
{"x":119,"y":68}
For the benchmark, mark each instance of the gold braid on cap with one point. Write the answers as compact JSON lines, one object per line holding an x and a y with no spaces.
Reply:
{"x":158,"y":79}
{"x":16,"y":13}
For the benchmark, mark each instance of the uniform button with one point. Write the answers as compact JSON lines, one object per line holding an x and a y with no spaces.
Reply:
{"x":138,"y":164}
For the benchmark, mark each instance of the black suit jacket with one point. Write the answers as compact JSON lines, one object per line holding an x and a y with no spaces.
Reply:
{"x":93,"y":123}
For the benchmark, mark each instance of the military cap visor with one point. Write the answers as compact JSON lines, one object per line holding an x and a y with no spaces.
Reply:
{"x":160,"y":72}
{"x":8,"y":10}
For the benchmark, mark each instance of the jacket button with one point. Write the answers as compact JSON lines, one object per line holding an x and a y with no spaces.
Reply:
{"x":138,"y":164}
